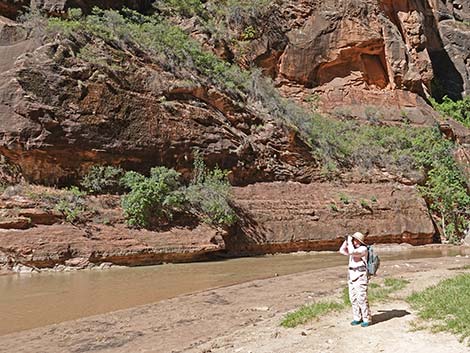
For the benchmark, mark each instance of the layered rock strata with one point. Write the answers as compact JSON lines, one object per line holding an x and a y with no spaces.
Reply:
{"x":285,"y":217}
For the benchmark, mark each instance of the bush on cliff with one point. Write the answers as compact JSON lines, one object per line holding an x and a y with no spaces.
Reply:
{"x":103,"y":180}
{"x":152,"y":199}
{"x":401,"y":150}
{"x":165,"y":43}
{"x":457,"y":110}
{"x":157,"y":198}
{"x":209,"y":195}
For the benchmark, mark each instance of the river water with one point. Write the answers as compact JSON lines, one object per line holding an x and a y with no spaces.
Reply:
{"x":34,"y":300}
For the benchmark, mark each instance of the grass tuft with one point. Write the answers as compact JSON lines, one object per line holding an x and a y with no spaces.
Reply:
{"x":447,"y":305}
{"x":309,"y":312}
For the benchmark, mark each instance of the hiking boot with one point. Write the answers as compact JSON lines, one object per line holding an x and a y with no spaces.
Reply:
{"x":365,"y":324}
{"x":355,"y":322}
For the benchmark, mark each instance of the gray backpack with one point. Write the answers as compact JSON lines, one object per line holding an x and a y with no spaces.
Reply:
{"x":373,"y":261}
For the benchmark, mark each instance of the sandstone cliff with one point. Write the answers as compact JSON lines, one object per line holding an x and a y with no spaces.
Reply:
{"x":68,"y":102}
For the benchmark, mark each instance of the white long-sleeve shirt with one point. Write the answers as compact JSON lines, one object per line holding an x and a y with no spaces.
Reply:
{"x":357,"y":256}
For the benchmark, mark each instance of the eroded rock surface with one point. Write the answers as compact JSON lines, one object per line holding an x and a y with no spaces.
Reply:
{"x":350,"y":52}
{"x":54,"y":106}
{"x":284,"y":217}
{"x":61,"y":244}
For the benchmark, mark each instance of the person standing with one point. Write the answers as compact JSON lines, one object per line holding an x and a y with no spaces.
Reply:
{"x":355,"y":247}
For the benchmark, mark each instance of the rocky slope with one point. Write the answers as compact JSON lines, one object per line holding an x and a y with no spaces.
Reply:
{"x":67,"y":103}
{"x":357,"y":55}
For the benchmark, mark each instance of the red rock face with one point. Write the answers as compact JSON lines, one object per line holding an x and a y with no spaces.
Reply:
{"x":356,"y":49}
{"x":47,"y":246}
{"x":53,"y":108}
{"x":284,"y":217}
{"x":274,"y":217}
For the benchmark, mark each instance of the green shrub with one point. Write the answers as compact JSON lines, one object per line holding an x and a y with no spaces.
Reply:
{"x":186,"y":8}
{"x":344,"y":198}
{"x":445,"y":187}
{"x":209,"y":195}
{"x":71,"y":204}
{"x":400,"y":150}
{"x":457,"y":110}
{"x":249,"y":33}
{"x":364,"y":203}
{"x":103,"y":179}
{"x":165,"y":42}
{"x":74,"y":13}
{"x":152,"y":199}
{"x":157,"y":198}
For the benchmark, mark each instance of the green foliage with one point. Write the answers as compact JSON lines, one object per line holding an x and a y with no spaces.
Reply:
{"x":347,"y":144}
{"x":165,"y":42}
{"x":157,"y":198}
{"x":249,"y":33}
{"x":333,"y":207}
{"x":229,"y":7}
{"x":445,"y":187}
{"x":74,"y":13}
{"x":153,"y":198}
{"x":209,"y":195}
{"x":446,"y":305}
{"x":313,"y":100}
{"x":68,"y":27}
{"x":71,"y":204}
{"x":364,"y":203}
{"x":344,"y":198}
{"x":185,"y":8}
{"x":400,"y":149}
{"x":103,"y":179}
{"x":457,"y":110}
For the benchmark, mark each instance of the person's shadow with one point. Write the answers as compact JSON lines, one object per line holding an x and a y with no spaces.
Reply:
{"x":388,"y":315}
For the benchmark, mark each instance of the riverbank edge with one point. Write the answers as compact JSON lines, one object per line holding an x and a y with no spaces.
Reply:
{"x":390,"y":249}
{"x":191,"y":320}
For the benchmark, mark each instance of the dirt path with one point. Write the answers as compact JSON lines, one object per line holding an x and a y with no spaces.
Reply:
{"x":245,"y":318}
{"x":391,"y":332}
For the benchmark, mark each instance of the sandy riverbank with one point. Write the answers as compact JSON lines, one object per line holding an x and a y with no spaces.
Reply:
{"x":245,"y":318}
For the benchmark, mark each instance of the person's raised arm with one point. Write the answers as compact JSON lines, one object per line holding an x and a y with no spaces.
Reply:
{"x":344,"y":248}
{"x":356,"y":252}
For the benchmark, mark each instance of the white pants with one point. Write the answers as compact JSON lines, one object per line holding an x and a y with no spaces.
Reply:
{"x":358,"y":284}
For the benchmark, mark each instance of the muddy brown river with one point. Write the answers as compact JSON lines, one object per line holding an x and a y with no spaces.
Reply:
{"x":34,"y":300}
